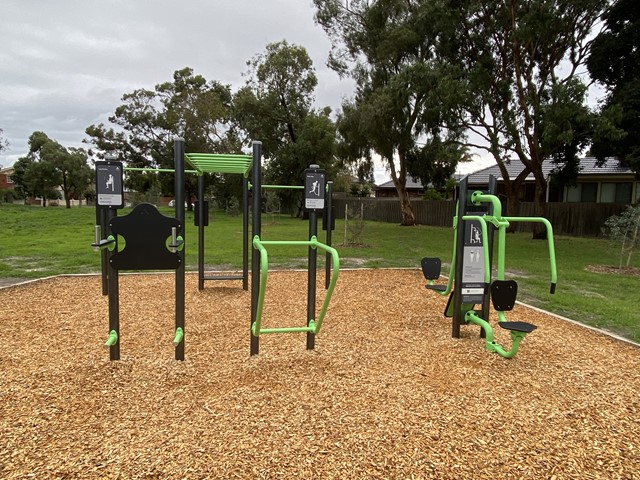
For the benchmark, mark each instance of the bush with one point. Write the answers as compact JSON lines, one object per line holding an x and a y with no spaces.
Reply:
{"x":233,"y":207}
{"x":625,"y":230}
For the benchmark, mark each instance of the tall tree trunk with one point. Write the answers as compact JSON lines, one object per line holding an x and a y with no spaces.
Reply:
{"x":541,"y":208}
{"x":400,"y":182}
{"x":408,"y":217}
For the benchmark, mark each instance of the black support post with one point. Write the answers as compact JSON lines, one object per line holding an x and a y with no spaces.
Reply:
{"x":245,"y":233}
{"x":329,"y":221}
{"x":311,"y":279}
{"x":178,"y":156}
{"x":201,"y":224}
{"x":457,"y":286}
{"x":255,"y":230}
{"x":101,"y":220}
{"x":114,"y":294}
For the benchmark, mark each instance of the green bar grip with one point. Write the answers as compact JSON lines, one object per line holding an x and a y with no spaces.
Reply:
{"x":165,"y":170}
{"x":112,"y":339}
{"x":179,"y":336}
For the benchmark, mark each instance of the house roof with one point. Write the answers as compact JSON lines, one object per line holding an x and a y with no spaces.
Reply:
{"x":588,"y":166}
{"x":411,"y":183}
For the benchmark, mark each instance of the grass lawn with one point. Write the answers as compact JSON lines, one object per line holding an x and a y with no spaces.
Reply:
{"x":38,"y":242}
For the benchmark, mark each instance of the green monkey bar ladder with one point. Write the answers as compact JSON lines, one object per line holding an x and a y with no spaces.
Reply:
{"x":221,"y":163}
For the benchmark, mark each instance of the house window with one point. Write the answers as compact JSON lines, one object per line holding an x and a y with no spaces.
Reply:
{"x":583,"y":192}
{"x":616,"y":192}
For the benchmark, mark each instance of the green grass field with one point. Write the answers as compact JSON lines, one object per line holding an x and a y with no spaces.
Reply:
{"x":38,"y":242}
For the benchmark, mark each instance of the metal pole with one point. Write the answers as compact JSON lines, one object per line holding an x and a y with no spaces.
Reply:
{"x":114,"y":296}
{"x":245,"y":233}
{"x":457,"y":318}
{"x":201,"y":232}
{"x":101,"y":219}
{"x":493,"y":187}
{"x":178,"y":157}
{"x":255,"y":230}
{"x":329,"y":221}
{"x":311,"y":282}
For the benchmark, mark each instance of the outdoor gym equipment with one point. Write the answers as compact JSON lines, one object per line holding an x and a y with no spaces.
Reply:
{"x":478,"y":215}
{"x":317,"y":194}
{"x":152,"y":242}
{"x":203,"y":163}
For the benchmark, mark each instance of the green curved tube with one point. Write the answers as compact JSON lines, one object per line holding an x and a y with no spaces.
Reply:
{"x":478,"y":197}
{"x":552,"y":251}
{"x":490,"y":345}
{"x":314,"y":325}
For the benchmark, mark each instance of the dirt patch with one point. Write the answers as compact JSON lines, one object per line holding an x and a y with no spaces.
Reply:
{"x":612,"y":270}
{"x":387,"y":393}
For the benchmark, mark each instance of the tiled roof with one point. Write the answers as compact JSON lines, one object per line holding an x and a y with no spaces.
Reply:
{"x":588,"y":166}
{"x":411,"y":183}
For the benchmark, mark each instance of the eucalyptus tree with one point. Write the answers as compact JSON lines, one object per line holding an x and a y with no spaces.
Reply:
{"x":388,"y":47}
{"x":275,"y":106}
{"x":145,"y":124}
{"x":615,"y":63}
{"x":516,"y":71}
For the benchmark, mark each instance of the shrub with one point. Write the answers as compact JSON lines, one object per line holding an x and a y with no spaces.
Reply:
{"x":625,"y":230}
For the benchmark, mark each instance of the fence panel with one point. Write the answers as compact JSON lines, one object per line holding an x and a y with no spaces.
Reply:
{"x":581,"y":219}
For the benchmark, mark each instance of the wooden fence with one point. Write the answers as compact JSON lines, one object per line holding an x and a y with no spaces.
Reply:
{"x":581,"y":219}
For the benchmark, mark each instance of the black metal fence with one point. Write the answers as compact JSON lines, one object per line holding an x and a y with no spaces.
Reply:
{"x":580,"y":219}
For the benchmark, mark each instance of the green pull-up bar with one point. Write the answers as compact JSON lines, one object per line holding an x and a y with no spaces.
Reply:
{"x":313,"y":326}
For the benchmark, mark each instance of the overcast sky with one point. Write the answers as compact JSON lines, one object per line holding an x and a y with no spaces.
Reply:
{"x":65,"y":64}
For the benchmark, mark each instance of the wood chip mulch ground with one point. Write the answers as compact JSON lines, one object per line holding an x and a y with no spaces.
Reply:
{"x":387,"y":393}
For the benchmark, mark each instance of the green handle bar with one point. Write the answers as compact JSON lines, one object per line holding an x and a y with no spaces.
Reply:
{"x":112,"y":339}
{"x":314,"y":325}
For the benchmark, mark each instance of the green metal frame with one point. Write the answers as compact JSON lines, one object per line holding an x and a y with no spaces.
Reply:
{"x":313,"y":325}
{"x":219,"y":163}
{"x":502,"y":223}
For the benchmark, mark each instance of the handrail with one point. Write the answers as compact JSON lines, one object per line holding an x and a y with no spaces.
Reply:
{"x":552,"y":251}
{"x":314,"y":325}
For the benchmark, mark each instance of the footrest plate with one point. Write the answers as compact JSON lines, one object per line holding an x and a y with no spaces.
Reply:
{"x":518,"y":326}
{"x":437,"y":288}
